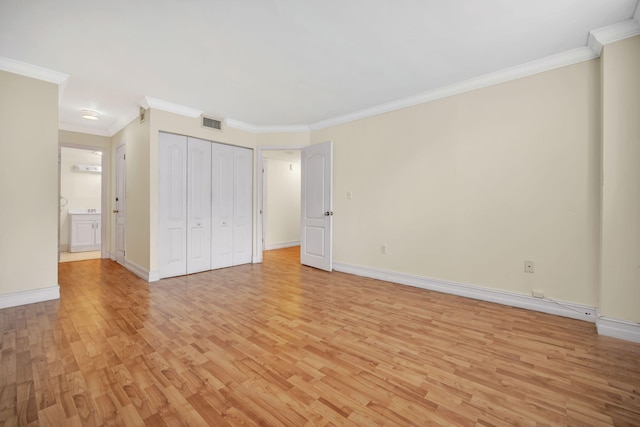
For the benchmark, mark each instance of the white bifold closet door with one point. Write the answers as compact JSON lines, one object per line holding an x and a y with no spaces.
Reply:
{"x":231,"y":205}
{"x":172,"y":205}
{"x":184,"y":205}
{"x":198,"y":205}
{"x":243,"y":207}
{"x":205,"y":212}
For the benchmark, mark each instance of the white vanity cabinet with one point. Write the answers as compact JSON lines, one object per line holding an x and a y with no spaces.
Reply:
{"x":84,"y":232}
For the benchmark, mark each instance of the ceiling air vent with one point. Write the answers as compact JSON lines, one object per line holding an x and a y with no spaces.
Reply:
{"x":210,"y":122}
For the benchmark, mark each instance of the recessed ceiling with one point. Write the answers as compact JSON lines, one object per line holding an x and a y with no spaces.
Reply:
{"x":282,"y":62}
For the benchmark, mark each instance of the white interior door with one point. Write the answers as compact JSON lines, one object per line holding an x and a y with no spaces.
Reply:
{"x":221,"y":205}
{"x":172,"y":205}
{"x":120,"y":203}
{"x":316,"y":206}
{"x":243,"y":207}
{"x":198,"y":205}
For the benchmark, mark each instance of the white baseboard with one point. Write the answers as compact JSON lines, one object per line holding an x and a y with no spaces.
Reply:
{"x":282,"y":245}
{"x":615,"y":328}
{"x":141,"y":272}
{"x":560,"y":308}
{"x":154,"y":276}
{"x":29,"y":297}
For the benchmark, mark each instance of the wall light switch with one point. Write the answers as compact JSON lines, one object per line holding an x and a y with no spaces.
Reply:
{"x":349,"y":195}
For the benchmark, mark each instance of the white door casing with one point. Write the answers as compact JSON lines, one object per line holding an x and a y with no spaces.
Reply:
{"x":120,"y":209}
{"x":316,"y":206}
{"x":198,"y":205}
{"x":172,"y":205}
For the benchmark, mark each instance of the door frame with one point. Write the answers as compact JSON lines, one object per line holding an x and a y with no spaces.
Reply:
{"x":257,"y":258}
{"x":117,"y":206}
{"x":104,"y":185}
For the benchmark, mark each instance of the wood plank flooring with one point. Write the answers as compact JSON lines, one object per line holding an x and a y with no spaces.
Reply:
{"x":279,"y":344}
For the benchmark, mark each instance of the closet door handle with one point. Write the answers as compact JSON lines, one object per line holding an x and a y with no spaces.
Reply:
{"x":116,"y":211}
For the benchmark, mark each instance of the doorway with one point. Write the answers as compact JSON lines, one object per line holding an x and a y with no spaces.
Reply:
{"x":281,"y":199}
{"x":315,"y":211}
{"x":81,"y":200}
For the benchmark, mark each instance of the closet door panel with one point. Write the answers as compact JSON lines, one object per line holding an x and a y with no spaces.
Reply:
{"x":172,"y":207}
{"x":243,"y":206}
{"x":198,"y":205}
{"x":221,"y":205}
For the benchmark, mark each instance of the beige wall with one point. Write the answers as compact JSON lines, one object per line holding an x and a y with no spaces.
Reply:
{"x":78,"y":138}
{"x":468,"y":187}
{"x":620,"y":282}
{"x":280,"y":139}
{"x":28,"y":183}
{"x":137,"y":235}
{"x":281,"y":202}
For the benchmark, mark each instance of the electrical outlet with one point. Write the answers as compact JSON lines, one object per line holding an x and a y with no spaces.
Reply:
{"x":529,"y":267}
{"x":383,"y":249}
{"x":349,"y":195}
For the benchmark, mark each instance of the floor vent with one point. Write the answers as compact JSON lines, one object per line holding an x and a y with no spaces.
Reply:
{"x":210,"y":122}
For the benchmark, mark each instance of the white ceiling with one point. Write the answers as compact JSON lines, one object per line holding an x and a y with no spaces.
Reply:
{"x":282,"y":62}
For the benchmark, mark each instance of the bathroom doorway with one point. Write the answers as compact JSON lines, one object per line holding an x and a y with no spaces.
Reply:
{"x":81,"y":203}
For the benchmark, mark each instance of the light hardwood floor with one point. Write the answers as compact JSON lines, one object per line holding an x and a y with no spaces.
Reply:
{"x":283,"y":344}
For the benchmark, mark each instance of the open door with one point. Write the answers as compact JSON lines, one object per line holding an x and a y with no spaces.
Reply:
{"x":316,"y":206}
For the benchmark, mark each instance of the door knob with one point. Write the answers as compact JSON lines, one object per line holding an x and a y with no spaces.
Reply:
{"x":116,"y":211}
{"x":328,"y":213}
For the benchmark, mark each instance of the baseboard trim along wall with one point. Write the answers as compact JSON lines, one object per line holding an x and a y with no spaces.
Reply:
{"x":615,"y":328}
{"x":29,"y":297}
{"x":281,"y":245}
{"x":544,"y":305}
{"x":143,"y":273}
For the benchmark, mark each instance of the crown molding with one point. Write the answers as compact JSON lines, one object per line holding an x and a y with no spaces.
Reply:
{"x":123,"y":121}
{"x":158,"y":104}
{"x":237,"y":124}
{"x":33,"y":71}
{"x":534,"y":67}
{"x":596,"y":40}
{"x":622,"y":30}
{"x":83,"y":129}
